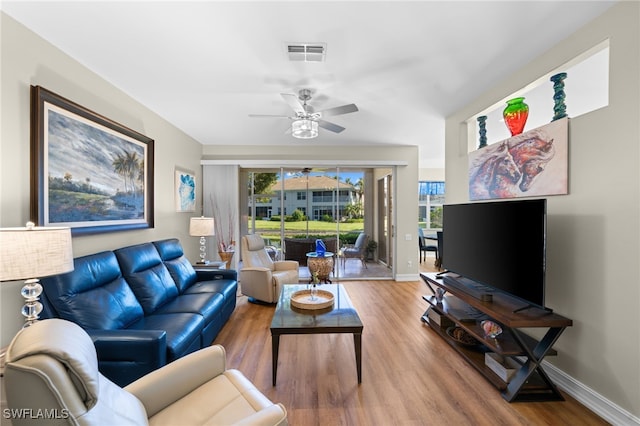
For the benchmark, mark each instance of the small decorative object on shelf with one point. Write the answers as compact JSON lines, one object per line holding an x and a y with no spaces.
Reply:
{"x":559,"y":107}
{"x":491,"y":329}
{"x":482,"y":123}
{"x":515,"y":115}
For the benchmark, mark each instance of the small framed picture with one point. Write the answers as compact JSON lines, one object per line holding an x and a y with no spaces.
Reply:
{"x":185,"y":190}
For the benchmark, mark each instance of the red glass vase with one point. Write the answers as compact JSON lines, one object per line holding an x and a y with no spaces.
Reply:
{"x":515,"y":115}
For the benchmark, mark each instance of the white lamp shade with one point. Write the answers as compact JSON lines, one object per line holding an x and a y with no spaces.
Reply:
{"x":201,"y":227}
{"x":34,"y":252}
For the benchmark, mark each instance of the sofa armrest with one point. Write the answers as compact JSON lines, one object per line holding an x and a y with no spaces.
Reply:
{"x":216,"y":274}
{"x":286,"y":265}
{"x":256,"y":275}
{"x":130,"y":345}
{"x":125,"y":355}
{"x":161,"y":388}
{"x":270,"y":416}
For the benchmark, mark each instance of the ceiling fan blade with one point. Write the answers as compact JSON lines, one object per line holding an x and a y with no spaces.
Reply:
{"x":268,"y":116}
{"x":330,"y":126}
{"x":294,"y":103}
{"x":344,"y":109}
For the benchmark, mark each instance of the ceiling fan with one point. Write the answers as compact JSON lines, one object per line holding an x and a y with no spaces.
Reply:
{"x":306,"y":121}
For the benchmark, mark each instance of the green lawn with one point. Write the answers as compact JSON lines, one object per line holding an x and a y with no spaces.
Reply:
{"x":271,"y":230}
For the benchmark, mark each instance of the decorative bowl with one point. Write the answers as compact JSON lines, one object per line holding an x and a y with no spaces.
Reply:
{"x":303,"y":299}
{"x":461,"y":336}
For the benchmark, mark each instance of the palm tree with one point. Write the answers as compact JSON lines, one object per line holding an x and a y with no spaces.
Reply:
{"x":119,"y":166}
{"x":132,"y":166}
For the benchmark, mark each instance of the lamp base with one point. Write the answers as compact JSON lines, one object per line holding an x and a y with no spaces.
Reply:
{"x":32,"y":307}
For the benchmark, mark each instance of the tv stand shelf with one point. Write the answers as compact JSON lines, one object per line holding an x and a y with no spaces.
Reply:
{"x":466,"y":310}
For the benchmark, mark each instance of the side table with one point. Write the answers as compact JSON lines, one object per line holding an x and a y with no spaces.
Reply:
{"x":322,"y":265}
{"x":214,"y":264}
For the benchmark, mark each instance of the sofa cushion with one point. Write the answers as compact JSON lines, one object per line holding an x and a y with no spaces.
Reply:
{"x":179,"y":267}
{"x":183,"y":331}
{"x":208,"y":305}
{"x":148,"y":277}
{"x":94,"y":295}
{"x":228,"y":288}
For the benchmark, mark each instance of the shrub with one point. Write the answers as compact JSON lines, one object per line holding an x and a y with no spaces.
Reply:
{"x":326,"y":218}
{"x":297,"y":216}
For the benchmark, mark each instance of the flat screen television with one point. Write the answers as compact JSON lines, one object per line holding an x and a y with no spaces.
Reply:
{"x":499,"y":244}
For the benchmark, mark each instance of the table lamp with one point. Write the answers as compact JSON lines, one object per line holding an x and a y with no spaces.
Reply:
{"x":202,"y":227}
{"x":30,"y":252}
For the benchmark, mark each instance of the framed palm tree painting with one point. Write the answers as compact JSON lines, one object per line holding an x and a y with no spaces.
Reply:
{"x":87,"y":171}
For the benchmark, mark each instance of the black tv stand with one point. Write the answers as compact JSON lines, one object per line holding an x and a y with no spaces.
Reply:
{"x":530,"y":382}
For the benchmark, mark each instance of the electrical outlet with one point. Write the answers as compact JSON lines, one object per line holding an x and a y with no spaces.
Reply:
{"x":409,"y":263}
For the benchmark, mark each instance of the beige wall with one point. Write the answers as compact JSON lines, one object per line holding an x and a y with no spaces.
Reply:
{"x":432,"y":174}
{"x":593,"y":233}
{"x":28,"y":60}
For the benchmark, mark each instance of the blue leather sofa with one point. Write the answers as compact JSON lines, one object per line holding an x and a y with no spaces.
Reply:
{"x":143,"y":305}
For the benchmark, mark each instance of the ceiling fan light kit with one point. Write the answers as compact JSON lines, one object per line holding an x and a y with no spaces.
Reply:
{"x":304,"y":129}
{"x":306,"y":121}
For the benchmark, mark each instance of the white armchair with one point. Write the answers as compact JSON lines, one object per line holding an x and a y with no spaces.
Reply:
{"x":52,"y":367}
{"x":260,"y":277}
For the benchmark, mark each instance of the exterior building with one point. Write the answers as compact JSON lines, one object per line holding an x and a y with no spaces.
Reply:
{"x":315,"y":196}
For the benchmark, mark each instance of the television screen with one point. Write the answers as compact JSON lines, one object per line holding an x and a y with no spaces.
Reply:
{"x":498,"y":244}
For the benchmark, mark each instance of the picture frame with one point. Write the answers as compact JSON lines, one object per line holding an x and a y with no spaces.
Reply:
{"x":87,"y":171}
{"x":185,"y":190}
{"x":532,"y":164}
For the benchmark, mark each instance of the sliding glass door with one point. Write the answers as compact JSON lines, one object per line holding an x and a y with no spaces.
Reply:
{"x":293,"y":207}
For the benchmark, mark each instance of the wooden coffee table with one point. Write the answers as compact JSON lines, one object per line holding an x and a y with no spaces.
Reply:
{"x":340,"y":318}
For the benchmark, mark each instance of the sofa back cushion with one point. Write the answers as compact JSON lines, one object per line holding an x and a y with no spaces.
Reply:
{"x":147,"y":276}
{"x":94,"y":295}
{"x":179,"y":267}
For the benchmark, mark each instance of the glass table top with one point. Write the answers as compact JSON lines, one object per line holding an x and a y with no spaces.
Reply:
{"x":341,"y":315}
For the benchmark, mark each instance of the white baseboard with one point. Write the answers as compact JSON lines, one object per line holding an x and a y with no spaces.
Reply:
{"x":606,"y":409}
{"x":407,"y":277}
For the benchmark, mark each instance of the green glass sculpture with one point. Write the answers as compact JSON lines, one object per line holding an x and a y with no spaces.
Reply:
{"x":559,"y":107}
{"x":482,"y":122}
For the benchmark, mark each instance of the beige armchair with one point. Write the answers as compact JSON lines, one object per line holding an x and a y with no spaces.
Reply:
{"x":51,"y":367}
{"x":260,"y":277}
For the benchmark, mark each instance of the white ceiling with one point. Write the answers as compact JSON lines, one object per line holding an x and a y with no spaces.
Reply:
{"x":206,"y":65}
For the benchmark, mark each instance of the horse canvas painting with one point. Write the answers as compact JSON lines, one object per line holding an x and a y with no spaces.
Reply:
{"x":531,"y":164}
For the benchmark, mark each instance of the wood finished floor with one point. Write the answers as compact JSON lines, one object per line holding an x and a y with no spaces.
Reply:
{"x":410,"y":376}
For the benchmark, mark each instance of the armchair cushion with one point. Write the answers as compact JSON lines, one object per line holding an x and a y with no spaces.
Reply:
{"x":191,"y":382}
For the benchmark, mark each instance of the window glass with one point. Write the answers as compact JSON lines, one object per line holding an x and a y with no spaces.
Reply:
{"x":586,"y":89}
{"x":430,"y":201}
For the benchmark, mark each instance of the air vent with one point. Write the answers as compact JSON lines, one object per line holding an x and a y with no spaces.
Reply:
{"x":307,"y":52}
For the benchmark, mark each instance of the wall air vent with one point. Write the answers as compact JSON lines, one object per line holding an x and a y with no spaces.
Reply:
{"x":306,"y":52}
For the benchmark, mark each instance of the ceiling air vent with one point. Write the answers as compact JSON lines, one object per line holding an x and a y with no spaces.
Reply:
{"x":307,"y":52}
